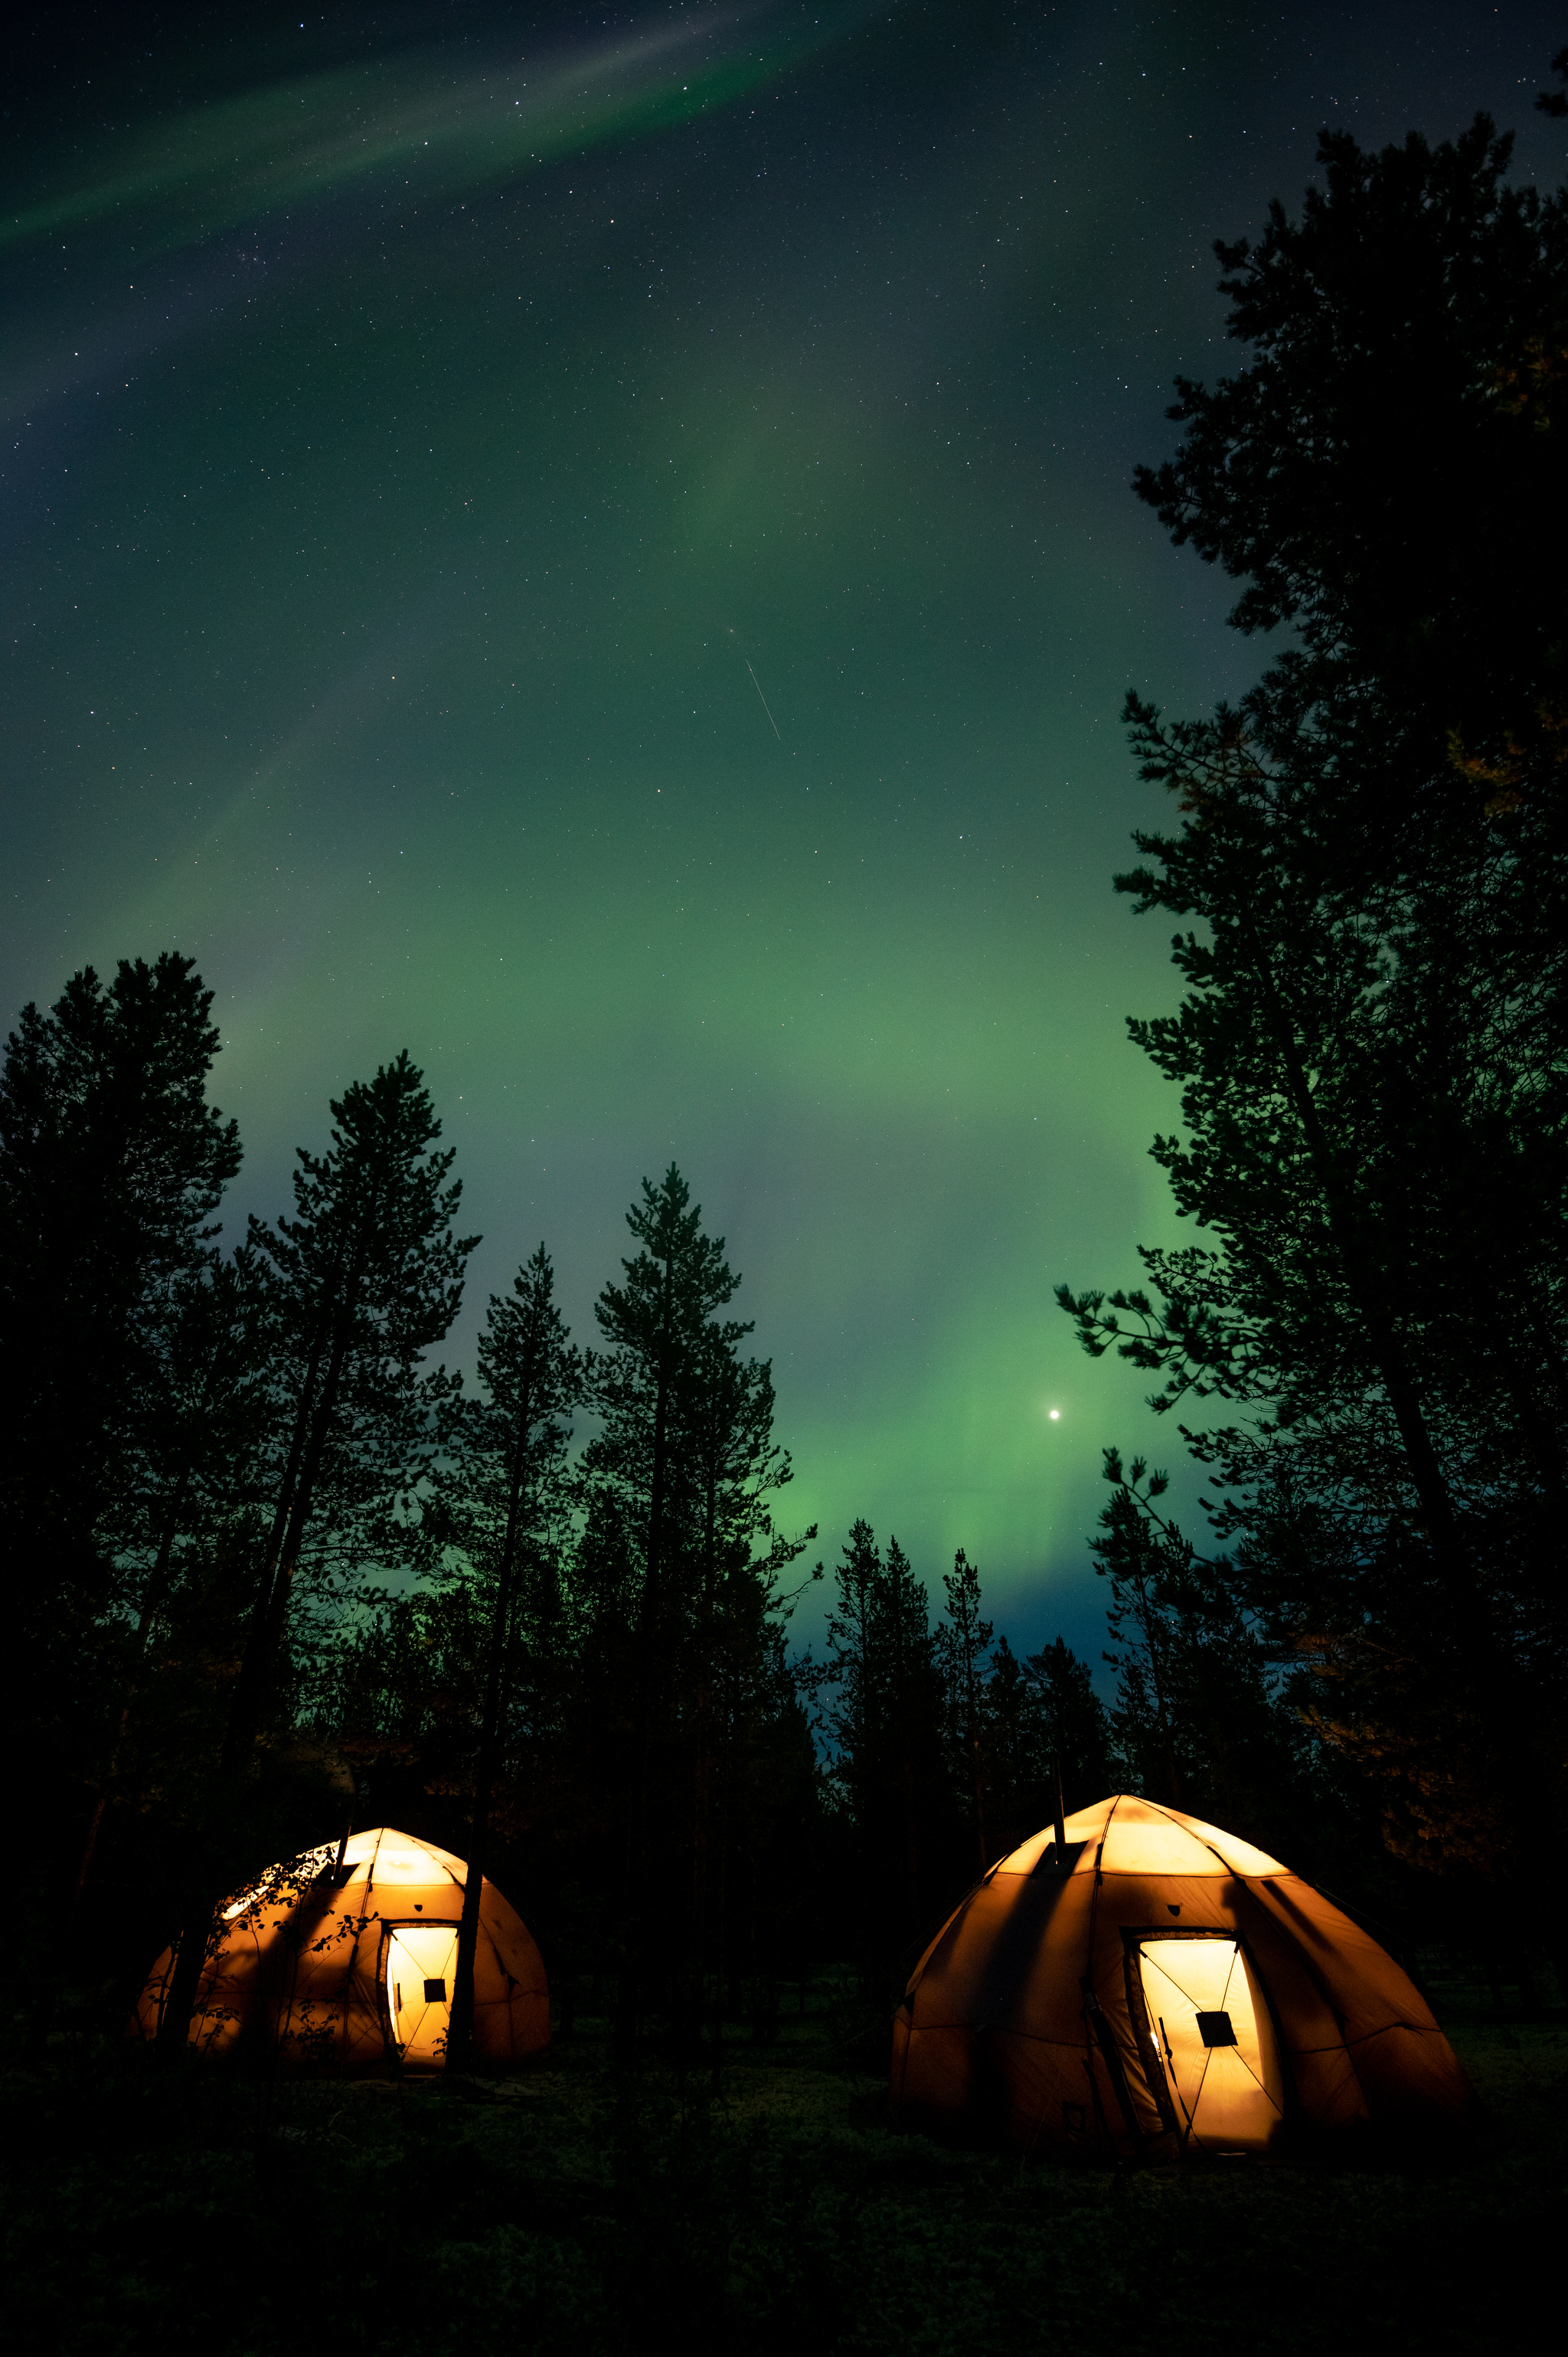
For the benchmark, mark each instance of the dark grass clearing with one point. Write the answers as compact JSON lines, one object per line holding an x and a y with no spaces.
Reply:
{"x":209,"y":2211}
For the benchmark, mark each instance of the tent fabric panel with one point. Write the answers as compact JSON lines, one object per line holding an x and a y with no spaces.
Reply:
{"x":226,"y":1995}
{"x":1368,"y":1990}
{"x":1033,"y":2093}
{"x":143,"y":2021}
{"x":398,"y":1860}
{"x":937,"y":2073}
{"x":1327,"y":2094}
{"x":1008,"y":1967}
{"x":511,"y":1995}
{"x":1410,"y":2077}
{"x":899,"y":2060}
{"x":994,"y":1960}
{"x":365,"y":1846}
{"x":1318,"y":2068}
{"x":149,"y":2005}
{"x":1052,"y":2085}
{"x":349,"y":1976}
{"x":1058,"y":2078}
{"x":333,"y":1987}
{"x":1308,"y":2020}
{"x":1050,"y":2000}
{"x":1143,"y":1839}
{"x":942,"y":1981}
{"x":302,"y":1995}
{"x":1239,"y":1856}
{"x":1166,"y":1902}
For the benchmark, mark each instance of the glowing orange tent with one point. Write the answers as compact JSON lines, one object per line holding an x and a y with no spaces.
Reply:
{"x":1155,"y":1987}
{"x":347,"y":1964}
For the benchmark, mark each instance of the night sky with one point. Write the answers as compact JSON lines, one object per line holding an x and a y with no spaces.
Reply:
{"x":596,"y":547}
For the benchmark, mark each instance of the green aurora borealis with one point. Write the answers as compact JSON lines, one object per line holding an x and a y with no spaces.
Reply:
{"x":420,"y":424}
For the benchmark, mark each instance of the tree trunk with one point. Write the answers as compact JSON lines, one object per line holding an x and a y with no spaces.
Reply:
{"x":651,"y":1618}
{"x":248,"y":1702}
{"x":151,"y":1600}
{"x":460,"y":2025}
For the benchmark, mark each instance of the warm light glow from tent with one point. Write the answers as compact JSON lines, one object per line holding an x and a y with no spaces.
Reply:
{"x":1227,"y":2087}
{"x":1163,"y":1988}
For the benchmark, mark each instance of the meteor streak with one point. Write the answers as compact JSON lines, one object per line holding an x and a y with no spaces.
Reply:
{"x":772,"y":722}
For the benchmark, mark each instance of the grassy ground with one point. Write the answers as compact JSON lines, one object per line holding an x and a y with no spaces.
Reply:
{"x":201,"y":2212}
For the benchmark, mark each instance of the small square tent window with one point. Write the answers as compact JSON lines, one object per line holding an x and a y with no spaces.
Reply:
{"x":1214,"y":2029}
{"x":436,"y":1994}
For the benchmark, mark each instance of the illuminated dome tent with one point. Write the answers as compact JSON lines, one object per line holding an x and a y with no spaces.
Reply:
{"x":1153,"y":1986}
{"x":346,"y":1965}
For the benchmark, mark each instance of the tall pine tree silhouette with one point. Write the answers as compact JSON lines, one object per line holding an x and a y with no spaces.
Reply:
{"x":508,"y":1452}
{"x":361,"y":1282}
{"x":656,"y":1328}
{"x":112,"y":1166}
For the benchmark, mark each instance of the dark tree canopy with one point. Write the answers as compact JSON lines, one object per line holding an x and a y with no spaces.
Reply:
{"x":1369,"y":869}
{"x":359,"y":1284}
{"x":1390,"y":472}
{"x":111,"y":1165}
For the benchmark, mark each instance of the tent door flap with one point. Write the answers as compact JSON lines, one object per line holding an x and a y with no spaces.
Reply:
{"x":420,"y":1968}
{"x":1221,"y":2057}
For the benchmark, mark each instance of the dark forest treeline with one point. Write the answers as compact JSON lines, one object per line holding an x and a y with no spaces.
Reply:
{"x":274,"y":1571}
{"x":273,"y":1568}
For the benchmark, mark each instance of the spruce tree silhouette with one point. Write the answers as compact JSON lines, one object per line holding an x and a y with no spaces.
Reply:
{"x":363,"y":1280}
{"x":507,"y":1452}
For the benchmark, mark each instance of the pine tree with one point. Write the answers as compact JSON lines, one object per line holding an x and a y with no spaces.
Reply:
{"x":854,"y":1714}
{"x":1375,"y":1142}
{"x":112,"y":1166}
{"x":655,"y":1327}
{"x":1375,"y":1038}
{"x":1015,"y":1764}
{"x":735,"y":1691}
{"x":924,"y":1812}
{"x":885,"y":1724}
{"x":962,"y":1646}
{"x":178,"y":1528}
{"x":1388,"y":476}
{"x":506,"y":1484}
{"x":855,"y":1719}
{"x":1073,"y":1753}
{"x":1375,"y":1031}
{"x":360,"y":1285}
{"x":685,"y":1459}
